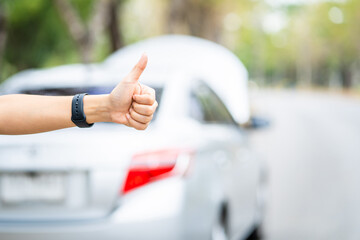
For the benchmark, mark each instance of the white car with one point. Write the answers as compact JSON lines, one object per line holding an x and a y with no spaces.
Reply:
{"x":190,"y":175}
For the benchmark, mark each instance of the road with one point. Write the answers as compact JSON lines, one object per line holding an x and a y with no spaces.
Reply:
{"x":312,"y":149}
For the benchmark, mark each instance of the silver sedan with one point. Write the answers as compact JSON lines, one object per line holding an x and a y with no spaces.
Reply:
{"x":191,"y":175}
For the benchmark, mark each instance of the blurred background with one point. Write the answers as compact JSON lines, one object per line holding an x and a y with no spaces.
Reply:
{"x":303,"y":58}
{"x":286,"y":43}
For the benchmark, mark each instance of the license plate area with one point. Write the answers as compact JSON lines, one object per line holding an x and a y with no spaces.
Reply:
{"x":32,"y":187}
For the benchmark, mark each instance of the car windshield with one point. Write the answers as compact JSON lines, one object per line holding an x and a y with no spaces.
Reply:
{"x":90,"y":90}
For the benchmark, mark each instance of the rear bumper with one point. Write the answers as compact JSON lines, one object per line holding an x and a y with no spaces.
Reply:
{"x":160,"y":229}
{"x":153,"y":212}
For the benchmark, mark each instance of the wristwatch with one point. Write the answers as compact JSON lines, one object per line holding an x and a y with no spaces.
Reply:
{"x":77,"y":111}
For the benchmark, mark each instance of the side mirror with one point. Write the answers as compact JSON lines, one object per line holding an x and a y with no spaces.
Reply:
{"x":256,"y":122}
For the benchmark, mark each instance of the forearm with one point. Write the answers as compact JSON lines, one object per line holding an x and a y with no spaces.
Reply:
{"x":25,"y":114}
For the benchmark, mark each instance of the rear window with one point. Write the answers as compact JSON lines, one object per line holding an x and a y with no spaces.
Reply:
{"x":89,"y":90}
{"x":68,"y":91}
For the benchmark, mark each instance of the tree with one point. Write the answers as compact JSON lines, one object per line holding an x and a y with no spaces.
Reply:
{"x":338,"y":37}
{"x":200,"y":18}
{"x":3,"y":35}
{"x":116,"y":37}
{"x":104,"y":13}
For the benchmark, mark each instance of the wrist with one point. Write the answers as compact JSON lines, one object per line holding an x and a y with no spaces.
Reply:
{"x":97,"y":108}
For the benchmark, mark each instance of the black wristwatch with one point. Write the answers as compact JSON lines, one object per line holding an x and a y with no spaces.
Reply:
{"x":77,"y":111}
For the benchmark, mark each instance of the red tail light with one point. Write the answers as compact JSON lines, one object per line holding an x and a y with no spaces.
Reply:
{"x":151,"y":166}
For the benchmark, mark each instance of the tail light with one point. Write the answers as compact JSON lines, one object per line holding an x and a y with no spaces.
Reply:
{"x":151,"y":166}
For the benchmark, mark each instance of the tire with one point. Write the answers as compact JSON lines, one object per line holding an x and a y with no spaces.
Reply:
{"x":219,"y":230}
{"x":255,"y":234}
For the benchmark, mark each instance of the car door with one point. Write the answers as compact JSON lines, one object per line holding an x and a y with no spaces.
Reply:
{"x":237,"y":171}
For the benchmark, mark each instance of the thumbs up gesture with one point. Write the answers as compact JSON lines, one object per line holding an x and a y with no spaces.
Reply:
{"x":132,"y":103}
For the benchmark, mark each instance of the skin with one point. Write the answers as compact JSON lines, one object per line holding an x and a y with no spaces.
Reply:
{"x":130,"y":103}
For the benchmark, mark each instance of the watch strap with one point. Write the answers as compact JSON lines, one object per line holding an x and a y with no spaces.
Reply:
{"x":77,"y":111}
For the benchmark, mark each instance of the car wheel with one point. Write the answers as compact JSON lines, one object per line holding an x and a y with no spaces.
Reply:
{"x":220,"y":227}
{"x":255,"y":234}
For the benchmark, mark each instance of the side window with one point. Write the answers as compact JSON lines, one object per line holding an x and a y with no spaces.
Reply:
{"x":197,"y":110}
{"x":207,"y":107}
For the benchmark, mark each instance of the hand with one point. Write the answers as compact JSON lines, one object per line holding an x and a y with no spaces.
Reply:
{"x":142,"y":109}
{"x":132,"y":103}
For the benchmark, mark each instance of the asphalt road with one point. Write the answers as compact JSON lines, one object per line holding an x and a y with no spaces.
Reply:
{"x":312,"y":149}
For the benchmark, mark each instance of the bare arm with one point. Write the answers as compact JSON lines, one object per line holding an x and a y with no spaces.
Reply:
{"x":26,"y":114}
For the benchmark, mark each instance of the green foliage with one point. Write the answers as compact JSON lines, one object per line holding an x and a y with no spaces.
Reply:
{"x":313,"y":40}
{"x":84,"y":8}
{"x":317,"y":40}
{"x":35,"y":35}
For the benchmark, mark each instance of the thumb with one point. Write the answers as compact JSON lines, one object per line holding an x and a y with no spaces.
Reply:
{"x":139,"y":68}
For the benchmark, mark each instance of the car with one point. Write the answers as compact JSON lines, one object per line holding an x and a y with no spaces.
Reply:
{"x":190,"y":175}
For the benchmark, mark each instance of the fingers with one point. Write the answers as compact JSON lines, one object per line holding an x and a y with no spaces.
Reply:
{"x":143,"y":105}
{"x":135,"y":124}
{"x":140,"y":118}
{"x":146,"y":110}
{"x":146,"y":97}
{"x":147,"y":90}
{"x":140,"y":115}
{"x":139,"y":68}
